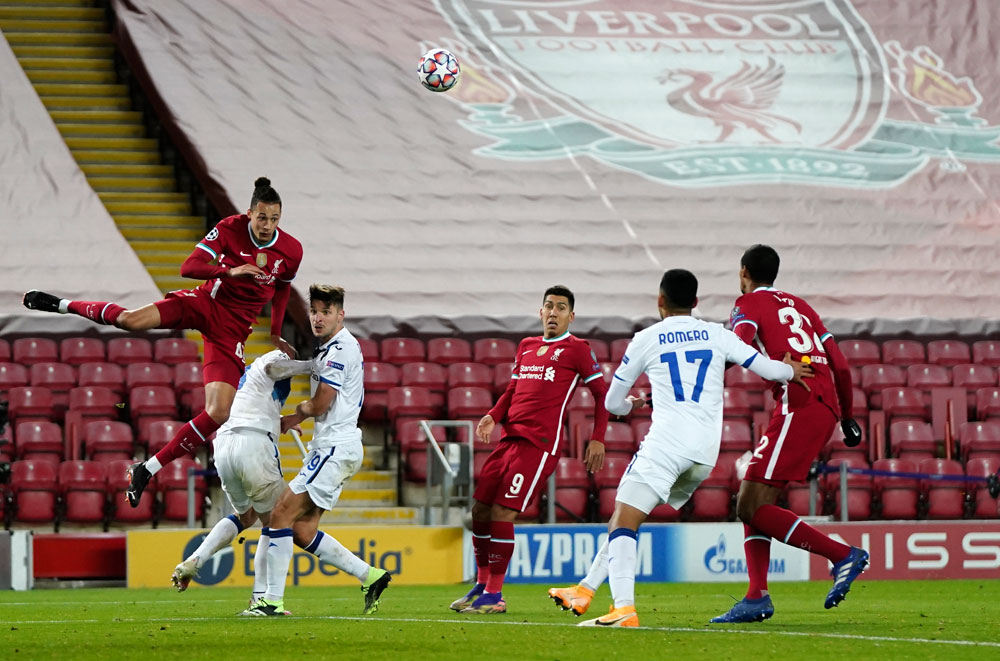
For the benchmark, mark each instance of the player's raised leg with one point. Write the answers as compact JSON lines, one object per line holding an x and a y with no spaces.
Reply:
{"x":577,"y":597}
{"x":219,"y":537}
{"x":327,"y":548}
{"x":100,"y":312}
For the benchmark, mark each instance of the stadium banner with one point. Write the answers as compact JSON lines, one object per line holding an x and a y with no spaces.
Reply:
{"x":424,"y":555}
{"x":919,"y":549}
{"x":689,"y":552}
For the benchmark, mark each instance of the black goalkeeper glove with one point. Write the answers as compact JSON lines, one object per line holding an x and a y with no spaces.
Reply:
{"x":852,"y":432}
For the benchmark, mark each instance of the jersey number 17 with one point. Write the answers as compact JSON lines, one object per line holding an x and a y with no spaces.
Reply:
{"x":702,"y":356}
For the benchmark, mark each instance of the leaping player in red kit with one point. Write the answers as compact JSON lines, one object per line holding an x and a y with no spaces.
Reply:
{"x":800,"y":426}
{"x":254,"y":263}
{"x":532,"y":411}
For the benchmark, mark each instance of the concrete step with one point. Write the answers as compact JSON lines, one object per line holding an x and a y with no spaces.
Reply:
{"x":87,"y":103}
{"x":83,"y":89}
{"x":147,"y":184}
{"x":12,"y":26}
{"x":52,"y":9}
{"x":193,"y":223}
{"x":371,"y":515}
{"x":127,"y":170}
{"x":34,"y":44}
{"x":166,"y":257}
{"x":74,"y":76}
{"x":173,"y":284}
{"x":73,"y":63}
{"x":102,"y":130}
{"x":112,"y":144}
{"x":162,"y":234}
{"x":133,"y":207}
{"x":106,"y":156}
{"x":351,"y":497}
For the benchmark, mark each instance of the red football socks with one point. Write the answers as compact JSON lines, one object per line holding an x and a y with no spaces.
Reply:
{"x":481,"y":547}
{"x":757,"y":547}
{"x":98,"y":311}
{"x":786,"y":526}
{"x":501,"y":548}
{"x":190,"y":437}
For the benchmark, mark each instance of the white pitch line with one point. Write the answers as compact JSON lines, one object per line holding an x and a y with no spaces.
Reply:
{"x":713,"y":630}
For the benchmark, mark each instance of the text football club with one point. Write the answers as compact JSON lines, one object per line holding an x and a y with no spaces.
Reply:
{"x":715,"y":92}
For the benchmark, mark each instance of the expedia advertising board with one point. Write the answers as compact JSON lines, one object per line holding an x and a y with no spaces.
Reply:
{"x":703,"y":552}
{"x":413,"y":555}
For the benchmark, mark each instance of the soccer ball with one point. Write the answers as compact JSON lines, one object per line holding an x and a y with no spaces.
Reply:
{"x":438,"y":70}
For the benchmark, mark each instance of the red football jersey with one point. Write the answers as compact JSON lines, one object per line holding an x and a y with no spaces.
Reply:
{"x":545,"y":374}
{"x":782,"y":323}
{"x":232,"y":242}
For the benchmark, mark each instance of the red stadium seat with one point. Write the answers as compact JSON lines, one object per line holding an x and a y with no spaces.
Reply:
{"x":986,"y":353}
{"x":836,"y":443}
{"x":31,"y":350}
{"x":415,"y":469}
{"x":196,"y":403}
{"x":501,"y":377}
{"x":470,"y":374}
{"x":33,"y":485}
{"x":908,"y":403}
{"x":94,"y":402}
{"x":148,"y":374}
{"x":401,"y":350}
{"x":610,"y":473}
{"x":928,"y":376}
{"x":493,"y":351}
{"x":902,"y":352}
{"x":469,"y":402}
{"x":39,"y":439}
{"x":601,"y":350}
{"x":744,"y":379}
{"x":369,"y":348}
{"x":860,"y":352}
{"x":152,"y":401}
{"x":988,"y":403}
{"x":409,"y":435}
{"x":984,"y":506}
{"x":187,"y":378}
{"x":713,"y":500}
{"x":875,"y":378}
{"x":640,"y":427}
{"x":12,"y":375}
{"x":158,"y":433}
{"x":912,"y":440}
{"x":664,"y":514}
{"x":618,"y":348}
{"x":105,"y":440}
{"x":948,"y":352}
{"x":736,"y":436}
{"x":121,"y":511}
{"x":618,"y":439}
{"x":945,"y":499}
{"x":80,"y":350}
{"x":127,"y":350}
{"x":859,"y":488}
{"x":973,"y":377}
{"x":412,"y":402}
{"x":83,"y":485}
{"x":798,"y":500}
{"x":448,"y":350}
{"x":30,"y":403}
{"x":171,"y":482}
{"x":105,"y":375}
{"x":608,"y":371}
{"x":59,"y":378}
{"x":736,"y":404}
{"x":570,"y":472}
{"x":380,"y":377}
{"x":4,"y":351}
{"x":432,"y":376}
{"x":572,"y":504}
{"x":175,"y":350}
{"x":979,"y":439}
{"x":898,"y":496}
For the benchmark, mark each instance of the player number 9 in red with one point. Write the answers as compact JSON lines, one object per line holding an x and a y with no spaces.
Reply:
{"x":516,"y":483}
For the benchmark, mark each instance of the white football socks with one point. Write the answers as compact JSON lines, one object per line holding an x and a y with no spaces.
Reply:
{"x":260,"y":564}
{"x":279,"y":557}
{"x":153,"y":465}
{"x":598,"y":569}
{"x":328,"y":549}
{"x":222,"y":535}
{"x":621,"y":566}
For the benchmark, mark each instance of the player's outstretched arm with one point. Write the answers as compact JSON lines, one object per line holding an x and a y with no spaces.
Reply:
{"x":845,"y":391}
{"x":198,"y":266}
{"x":315,"y":406}
{"x":279,"y":302}
{"x":283,"y":368}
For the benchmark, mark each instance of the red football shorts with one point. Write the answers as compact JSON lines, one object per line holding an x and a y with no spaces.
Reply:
{"x":514,"y":473}
{"x":790,"y":445}
{"x":223,"y":333}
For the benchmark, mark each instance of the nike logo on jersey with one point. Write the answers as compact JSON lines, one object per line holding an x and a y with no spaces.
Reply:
{"x":244,"y":254}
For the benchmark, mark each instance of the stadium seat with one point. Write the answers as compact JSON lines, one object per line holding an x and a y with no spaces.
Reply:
{"x":611,"y":473}
{"x":196,"y":403}
{"x":988,"y":403}
{"x":152,"y":401}
{"x":572,"y":490}
{"x":743,"y":379}
{"x":12,"y":375}
{"x":39,"y":440}
{"x":736,"y":404}
{"x":501,"y":377}
{"x":127,"y":350}
{"x":898,"y":495}
{"x":909,"y":439}
{"x":469,"y":402}
{"x":664,"y":514}
{"x":83,"y":485}
{"x":106,"y":375}
{"x":187,"y":378}
{"x":409,"y":435}
{"x":379,"y":379}
{"x":978,"y":439}
{"x":369,"y":348}
{"x":4,"y":351}
{"x":158,"y":433}
{"x":432,"y":376}
{"x":798,"y":500}
{"x":713,"y":500}
{"x":34,"y":486}
{"x":171,"y":483}
{"x":175,"y":350}
{"x":30,"y":403}
{"x":984,"y":506}
{"x":59,"y":378}
{"x":138,"y":375}
{"x":945,"y":499}
{"x":412,"y":402}
{"x":401,"y":350}
{"x":948,"y":352}
{"x":640,"y":427}
{"x":31,"y":350}
{"x":80,"y":350}
{"x":121,"y":511}
{"x":903,"y":352}
{"x":860,"y":352}
{"x":470,"y":374}
{"x":493,"y":351}
{"x":736,"y":436}
{"x":859,"y":487}
{"x":601,"y":350}
{"x":94,"y":402}
{"x":986,"y":353}
{"x":907,"y":403}
{"x":106,"y":440}
{"x":448,"y":350}
{"x":836,"y":443}
{"x":461,"y":436}
{"x":973,"y":377}
{"x":875,"y":378}
{"x":608,"y":371}
{"x":618,"y":348}
{"x":927,"y":376}
{"x":415,"y":465}
{"x":618,"y":439}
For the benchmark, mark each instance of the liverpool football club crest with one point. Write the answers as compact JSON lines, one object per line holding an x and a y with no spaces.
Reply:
{"x":709,"y":92}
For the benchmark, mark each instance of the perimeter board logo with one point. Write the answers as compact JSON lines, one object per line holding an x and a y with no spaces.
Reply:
{"x":708,"y":92}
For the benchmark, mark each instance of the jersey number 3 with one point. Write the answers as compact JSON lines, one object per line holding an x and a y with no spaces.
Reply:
{"x":702,"y":356}
{"x":801,"y":342}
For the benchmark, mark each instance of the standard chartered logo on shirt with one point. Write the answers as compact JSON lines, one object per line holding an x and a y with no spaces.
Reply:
{"x":550,"y":374}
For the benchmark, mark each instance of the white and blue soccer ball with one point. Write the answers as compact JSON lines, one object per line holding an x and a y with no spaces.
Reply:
{"x":438,"y":70}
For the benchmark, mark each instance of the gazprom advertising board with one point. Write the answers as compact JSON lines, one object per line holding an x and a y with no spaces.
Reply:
{"x":702,"y":552}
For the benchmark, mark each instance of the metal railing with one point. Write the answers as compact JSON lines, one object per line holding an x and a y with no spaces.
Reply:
{"x":450,"y":472}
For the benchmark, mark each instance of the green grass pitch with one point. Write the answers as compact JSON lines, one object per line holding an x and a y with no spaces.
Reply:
{"x":879,"y":620}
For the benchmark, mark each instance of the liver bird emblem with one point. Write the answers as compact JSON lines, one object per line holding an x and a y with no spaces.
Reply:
{"x":741,"y":100}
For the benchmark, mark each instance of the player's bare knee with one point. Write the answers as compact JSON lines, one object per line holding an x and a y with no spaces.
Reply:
{"x":248,"y":518}
{"x":501,"y":513}
{"x":218,"y":413}
{"x":480,"y":511}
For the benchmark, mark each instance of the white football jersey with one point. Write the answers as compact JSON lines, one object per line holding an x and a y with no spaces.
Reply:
{"x":685,"y":359}
{"x":262,"y":392}
{"x":339,"y":364}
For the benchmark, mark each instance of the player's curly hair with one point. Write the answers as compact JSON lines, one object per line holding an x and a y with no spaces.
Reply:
{"x":328,"y":294}
{"x":560,"y":290}
{"x":262,"y":192}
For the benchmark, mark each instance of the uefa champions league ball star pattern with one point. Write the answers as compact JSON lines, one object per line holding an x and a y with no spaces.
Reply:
{"x":438,"y":70}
